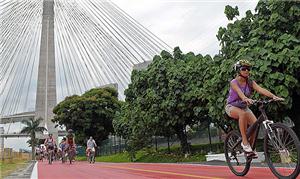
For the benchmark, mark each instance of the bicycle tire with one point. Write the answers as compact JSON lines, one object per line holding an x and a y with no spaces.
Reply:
{"x":70,"y":157}
{"x":50,"y":157}
{"x":91,"y":158}
{"x":293,"y":136}
{"x":232,"y":136}
{"x":62,"y":157}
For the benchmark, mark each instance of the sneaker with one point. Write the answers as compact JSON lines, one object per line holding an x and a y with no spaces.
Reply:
{"x":247,"y":148}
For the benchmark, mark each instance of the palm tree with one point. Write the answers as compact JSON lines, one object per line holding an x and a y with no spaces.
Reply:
{"x":32,"y":126}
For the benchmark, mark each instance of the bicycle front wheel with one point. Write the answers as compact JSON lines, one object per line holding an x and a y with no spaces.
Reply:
{"x":50,"y":157}
{"x":235,"y":157}
{"x":282,"y":151}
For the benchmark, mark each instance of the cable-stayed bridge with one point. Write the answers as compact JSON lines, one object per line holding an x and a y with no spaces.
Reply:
{"x":51,"y":49}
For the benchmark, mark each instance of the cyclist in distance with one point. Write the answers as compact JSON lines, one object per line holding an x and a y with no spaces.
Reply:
{"x":70,"y":139}
{"x":90,"y":145}
{"x":62,"y":146}
{"x":49,"y":143}
{"x":241,"y":89}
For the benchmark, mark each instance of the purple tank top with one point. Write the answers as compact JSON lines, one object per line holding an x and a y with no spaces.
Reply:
{"x":233,"y":95}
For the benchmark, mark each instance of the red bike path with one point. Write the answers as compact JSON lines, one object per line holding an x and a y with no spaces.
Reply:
{"x":84,"y":170}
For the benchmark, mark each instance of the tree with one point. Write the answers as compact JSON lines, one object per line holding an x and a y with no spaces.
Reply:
{"x":131,"y":123}
{"x":270,"y":39}
{"x":36,"y":143}
{"x":166,"y":97}
{"x":31,"y":128}
{"x":90,"y":114}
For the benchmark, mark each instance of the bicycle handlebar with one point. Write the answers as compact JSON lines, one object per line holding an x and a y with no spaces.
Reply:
{"x":263,"y":101}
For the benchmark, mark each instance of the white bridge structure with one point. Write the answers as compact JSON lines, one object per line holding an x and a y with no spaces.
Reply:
{"x":50,"y":49}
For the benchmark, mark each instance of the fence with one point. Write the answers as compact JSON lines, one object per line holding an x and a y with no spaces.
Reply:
{"x":203,"y":135}
{"x":112,"y":145}
{"x":8,"y":155}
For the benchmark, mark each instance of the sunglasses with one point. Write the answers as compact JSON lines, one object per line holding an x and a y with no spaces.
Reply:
{"x":245,"y":68}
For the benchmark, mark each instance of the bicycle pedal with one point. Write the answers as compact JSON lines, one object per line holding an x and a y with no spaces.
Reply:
{"x":249,"y":154}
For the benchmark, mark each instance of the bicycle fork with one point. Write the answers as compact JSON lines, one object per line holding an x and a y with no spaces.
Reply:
{"x":276,"y":142}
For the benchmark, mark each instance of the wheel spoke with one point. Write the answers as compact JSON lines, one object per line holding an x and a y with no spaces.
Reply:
{"x":235,"y":157}
{"x":283,"y":151}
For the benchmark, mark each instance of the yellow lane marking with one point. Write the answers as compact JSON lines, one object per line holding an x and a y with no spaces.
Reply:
{"x":161,"y":172}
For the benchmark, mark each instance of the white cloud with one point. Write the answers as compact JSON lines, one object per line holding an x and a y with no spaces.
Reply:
{"x":192,"y":25}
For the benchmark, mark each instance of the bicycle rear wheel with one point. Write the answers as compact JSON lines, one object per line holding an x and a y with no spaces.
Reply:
{"x":235,"y":157}
{"x":282,"y":151}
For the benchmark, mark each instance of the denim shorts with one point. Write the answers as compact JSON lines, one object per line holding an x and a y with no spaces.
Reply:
{"x":228,"y":109}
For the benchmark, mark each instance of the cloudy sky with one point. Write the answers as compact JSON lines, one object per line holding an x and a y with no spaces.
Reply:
{"x":190,"y":24}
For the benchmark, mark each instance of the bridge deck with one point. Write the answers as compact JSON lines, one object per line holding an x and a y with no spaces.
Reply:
{"x":17,"y":117}
{"x":60,"y":133}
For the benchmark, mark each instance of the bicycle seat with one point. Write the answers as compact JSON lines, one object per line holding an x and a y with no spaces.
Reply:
{"x":226,"y":124}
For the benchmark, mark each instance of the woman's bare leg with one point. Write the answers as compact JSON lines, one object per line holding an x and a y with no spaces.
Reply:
{"x":252,"y":120}
{"x":242,"y":116}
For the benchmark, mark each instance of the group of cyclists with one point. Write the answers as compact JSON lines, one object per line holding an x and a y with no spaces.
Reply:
{"x":65,"y":148}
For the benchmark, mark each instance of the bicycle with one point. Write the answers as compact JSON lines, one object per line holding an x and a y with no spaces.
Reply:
{"x":50,"y":155}
{"x":281,"y":147}
{"x":62,"y":155}
{"x":71,"y":152}
{"x":91,"y":156}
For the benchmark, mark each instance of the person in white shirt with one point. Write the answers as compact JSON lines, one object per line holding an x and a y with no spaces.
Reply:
{"x":90,"y":145}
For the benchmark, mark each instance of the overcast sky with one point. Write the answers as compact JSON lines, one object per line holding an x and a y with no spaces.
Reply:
{"x":190,"y":24}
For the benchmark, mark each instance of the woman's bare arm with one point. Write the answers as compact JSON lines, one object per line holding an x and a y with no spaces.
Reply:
{"x":265,"y":92}
{"x":262,"y":90}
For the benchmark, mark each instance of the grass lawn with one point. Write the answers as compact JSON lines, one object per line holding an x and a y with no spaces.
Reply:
{"x":161,"y":156}
{"x":121,"y":157}
{"x":6,"y":168}
{"x":145,"y":156}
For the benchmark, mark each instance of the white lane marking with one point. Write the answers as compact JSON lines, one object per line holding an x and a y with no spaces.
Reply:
{"x":34,"y":173}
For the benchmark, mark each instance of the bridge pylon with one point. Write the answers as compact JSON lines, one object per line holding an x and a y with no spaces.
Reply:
{"x":46,"y":85}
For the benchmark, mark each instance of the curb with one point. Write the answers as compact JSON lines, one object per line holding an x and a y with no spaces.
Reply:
{"x":23,"y":173}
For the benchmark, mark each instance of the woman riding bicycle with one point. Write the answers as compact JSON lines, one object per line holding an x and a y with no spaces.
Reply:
{"x":70,"y":139}
{"x":241,"y":88}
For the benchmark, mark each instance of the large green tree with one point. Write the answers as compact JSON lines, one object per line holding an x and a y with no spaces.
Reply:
{"x":32,"y":127}
{"x":166,"y":97}
{"x":90,"y":114}
{"x":270,"y":39}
